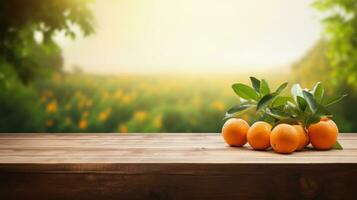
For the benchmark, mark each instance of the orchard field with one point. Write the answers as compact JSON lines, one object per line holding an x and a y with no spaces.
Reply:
{"x":146,"y":103}
{"x":79,"y":102}
{"x":45,"y":85}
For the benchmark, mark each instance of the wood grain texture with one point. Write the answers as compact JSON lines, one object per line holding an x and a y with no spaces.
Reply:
{"x":154,"y":148}
{"x":168,"y":166}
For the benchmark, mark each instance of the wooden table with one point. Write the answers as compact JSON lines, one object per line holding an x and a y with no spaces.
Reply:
{"x":168,"y":166}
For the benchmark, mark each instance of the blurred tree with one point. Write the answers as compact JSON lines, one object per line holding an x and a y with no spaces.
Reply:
{"x":312,"y":67}
{"x":28,"y":50}
{"x":341,"y":31}
{"x":27,"y":30}
{"x":20,"y":108}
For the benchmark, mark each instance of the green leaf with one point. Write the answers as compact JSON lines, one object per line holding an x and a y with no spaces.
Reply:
{"x":337,"y":145}
{"x":265,"y":101}
{"x":332,"y":100}
{"x":281,"y":100}
{"x":292,"y":109}
{"x":239,"y":109}
{"x":278,"y":114}
{"x":274,"y":115}
{"x":264,"y":88}
{"x":313,"y":119}
{"x":296,"y":90}
{"x":281,"y":87}
{"x":245,"y":92}
{"x":267,"y":118}
{"x":318,"y":92}
{"x":301,"y":103}
{"x":310,"y":101}
{"x":255,"y":83}
{"x":322,"y":111}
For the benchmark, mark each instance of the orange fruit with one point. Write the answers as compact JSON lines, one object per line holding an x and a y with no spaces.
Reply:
{"x":323,"y":135}
{"x":234,"y":132}
{"x":303,"y":137}
{"x":258,"y":135}
{"x":284,"y":138}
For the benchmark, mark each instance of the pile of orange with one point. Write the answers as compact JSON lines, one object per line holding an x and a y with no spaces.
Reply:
{"x":283,"y":138}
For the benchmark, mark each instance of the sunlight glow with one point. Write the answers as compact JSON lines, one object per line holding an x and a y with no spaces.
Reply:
{"x":135,"y":36}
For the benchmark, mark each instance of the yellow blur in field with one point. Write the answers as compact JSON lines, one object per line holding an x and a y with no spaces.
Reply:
{"x":93,"y":103}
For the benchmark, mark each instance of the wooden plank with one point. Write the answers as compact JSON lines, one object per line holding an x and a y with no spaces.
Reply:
{"x":165,"y":166}
{"x":117,"y":144}
{"x":187,"y":181}
{"x":156,"y":148}
{"x":126,"y":135}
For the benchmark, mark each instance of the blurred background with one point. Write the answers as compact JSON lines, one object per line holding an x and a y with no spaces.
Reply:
{"x":165,"y":65}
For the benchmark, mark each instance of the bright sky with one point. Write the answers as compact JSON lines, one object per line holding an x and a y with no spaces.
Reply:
{"x":141,"y":36}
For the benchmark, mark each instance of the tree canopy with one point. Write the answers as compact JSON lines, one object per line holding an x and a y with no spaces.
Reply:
{"x":313,"y":65}
{"x":341,"y":31}
{"x":27,"y":30}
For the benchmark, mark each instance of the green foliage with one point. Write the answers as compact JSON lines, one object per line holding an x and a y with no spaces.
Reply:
{"x":305,"y":107}
{"x":21,"y":21}
{"x":264,"y":88}
{"x":341,"y":30}
{"x":332,"y":100}
{"x":20,"y":108}
{"x":311,"y":102}
{"x":255,"y":83}
{"x":21,"y":112}
{"x":245,"y":92}
{"x":28,"y":51}
{"x":239,"y":109}
{"x":281,"y":87}
{"x":282,"y":100}
{"x":314,"y":67}
{"x":337,"y":145}
{"x":301,"y":102}
{"x":308,"y":107}
{"x":318,"y":92}
{"x":265,"y":101}
{"x":258,"y":96}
